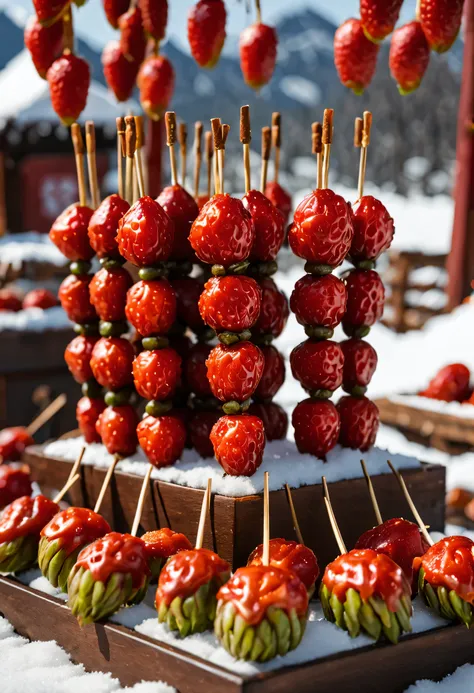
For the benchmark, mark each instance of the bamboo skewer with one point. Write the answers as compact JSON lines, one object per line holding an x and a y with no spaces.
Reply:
{"x":46,"y":414}
{"x":317,"y":149}
{"x":69,"y":483}
{"x":373,"y":498}
{"x":294,"y":517}
{"x":92,"y":164}
{"x":77,"y":463}
{"x":332,"y":518}
{"x":106,"y":483}
{"x":410,"y":502}
{"x":197,"y":156}
{"x":209,"y":157}
{"x":78,"y":144}
{"x":266,"y":521}
{"x":225,"y":133}
{"x":170,"y":120}
{"x":266,"y":149}
{"x":130,"y":144}
{"x":206,"y":504}
{"x":120,"y":122}
{"x":246,"y":138}
{"x":259,"y":11}
{"x":327,"y":140}
{"x":183,"y":150}
{"x":141,"y":501}
{"x":276,"y":142}
{"x":138,"y":155}
{"x":364,"y":143}
{"x":217,"y":136}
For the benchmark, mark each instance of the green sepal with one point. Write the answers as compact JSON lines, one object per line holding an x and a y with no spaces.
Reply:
{"x":19,"y":554}
{"x":448,"y":605}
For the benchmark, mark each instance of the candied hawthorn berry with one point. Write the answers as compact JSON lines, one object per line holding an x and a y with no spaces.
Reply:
{"x":9,"y":301}
{"x":318,"y":365}
{"x":157,"y":373}
{"x":111,"y":362}
{"x":373,"y":229}
{"x":69,"y":233}
{"x":162,"y":439}
{"x":151,"y":307}
{"x":117,"y":428}
{"x":195,"y":370}
{"x":280,"y":198}
{"x":360,"y":362}
{"x":258,"y":52}
{"x":322,"y":228}
{"x":40,"y":298}
{"x":234,"y":371}
{"x":450,"y":384}
{"x":269,"y":226}
{"x":188,"y":290}
{"x":223,"y":232}
{"x":75,"y":298}
{"x":108,"y":293}
{"x":132,"y":37}
{"x":273,"y":375}
{"x":15,"y":482}
{"x":182,"y":210}
{"x":274,"y":417}
{"x":273,"y":310}
{"x":145,"y":233}
{"x":316,"y":423}
{"x":103,"y":226}
{"x":206,"y":31}
{"x":365,"y":298}
{"x":13,"y":442}
{"x":359,"y":422}
{"x":87,"y":412}
{"x":239,"y":442}
{"x":77,"y":355}
{"x":319,"y":300}
{"x":200,"y":427}
{"x":230,"y":303}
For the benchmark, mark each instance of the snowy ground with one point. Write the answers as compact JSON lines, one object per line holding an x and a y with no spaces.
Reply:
{"x":29,"y":246}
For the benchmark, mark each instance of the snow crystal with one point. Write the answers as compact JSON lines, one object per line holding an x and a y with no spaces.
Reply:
{"x":35,"y":320}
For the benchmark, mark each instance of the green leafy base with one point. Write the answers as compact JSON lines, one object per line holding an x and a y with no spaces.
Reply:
{"x":19,"y":554}
{"x":55,"y":563}
{"x":445,"y":602}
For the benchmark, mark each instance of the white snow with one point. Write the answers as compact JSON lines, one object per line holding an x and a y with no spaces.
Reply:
{"x":466,"y":411}
{"x":29,"y":246}
{"x":35,"y":320}
{"x":301,"y":89}
{"x":461,"y":681}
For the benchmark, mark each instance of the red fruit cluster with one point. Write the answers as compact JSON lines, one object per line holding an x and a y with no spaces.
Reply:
{"x":450,"y":384}
{"x":187,"y":291}
{"x":9,"y":301}
{"x":50,"y":11}
{"x":162,"y":438}
{"x":317,"y":424}
{"x":132,"y":36}
{"x":69,"y":233}
{"x":78,"y":355}
{"x":69,"y":80}
{"x":15,"y":483}
{"x":319,"y":301}
{"x":103,"y":226}
{"x":318,"y":366}
{"x":378,"y":18}
{"x":114,"y":9}
{"x":269,"y":226}
{"x":75,"y":298}
{"x":200,"y":427}
{"x":274,"y":418}
{"x":111,"y":362}
{"x":365,"y":300}
{"x":273,"y":310}
{"x":13,"y":442}
{"x":87,"y":413}
{"x":156,"y":84}
{"x":355,"y":56}
{"x":239,"y":442}
{"x":157,"y":373}
{"x":206,"y":31}
{"x":145,"y":233}
{"x":258,"y":52}
{"x":45,"y":44}
{"x":151,"y":307}
{"x":154,"y":17}
{"x":108,"y":293}
{"x":409,"y":56}
{"x":40,"y":298}
{"x":182,"y":210}
{"x":273,"y":375}
{"x":441,"y":22}
{"x":230,"y":303}
{"x":359,"y":422}
{"x":234,"y":372}
{"x":373,"y":229}
{"x":360,"y":362}
{"x":120,"y":73}
{"x":116,"y":427}
{"x":279,"y":198}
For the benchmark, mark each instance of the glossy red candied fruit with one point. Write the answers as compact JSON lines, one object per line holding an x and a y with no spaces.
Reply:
{"x":291,"y":556}
{"x":319,"y":300}
{"x":111,"y":362}
{"x":409,"y":56}
{"x":450,"y":563}
{"x":75,"y":527}
{"x":273,"y":375}
{"x":116,"y":553}
{"x":44,"y":44}
{"x":200,"y":427}
{"x":373,"y":229}
{"x":13,"y":442}
{"x":15,"y":482}
{"x":162,"y":439}
{"x":117,"y":428}
{"x":274,"y":418}
{"x":206,"y":31}
{"x":9,"y":301}
{"x":132,"y":37}
{"x":155,"y":81}
{"x":317,"y":424}
{"x":77,"y":355}
{"x":441,"y":22}
{"x":450,"y":384}
{"x":154,"y":18}
{"x":359,"y":422}
{"x":156,"y":373}
{"x":188,"y":290}
{"x":151,"y":307}
{"x":230,"y":303}
{"x":145,"y":233}
{"x":114,"y":9}
{"x":280,"y":198}
{"x":120,"y":74}
{"x":360,"y":362}
{"x":75,"y":298}
{"x":379,"y":18}
{"x":365,"y":298}
{"x":187,"y":571}
{"x":108,"y":292}
{"x":182,"y":210}
{"x":239,"y":442}
{"x":69,"y":81}
{"x":269,"y":226}
{"x":235,"y":371}
{"x":258,"y":52}
{"x":223,"y":232}
{"x":195,"y":369}
{"x":87,"y":412}
{"x":163,"y":543}
{"x":69,"y":233}
{"x":318,"y":365}
{"x":26,"y":516}
{"x":355,"y":56}
{"x":103,"y":226}
{"x":274,"y":310}
{"x":40,"y":298}
{"x":322,"y":228}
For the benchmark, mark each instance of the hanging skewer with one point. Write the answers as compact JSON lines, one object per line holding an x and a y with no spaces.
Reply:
{"x":266,"y":149}
{"x":246,"y":138}
{"x":198,"y":128}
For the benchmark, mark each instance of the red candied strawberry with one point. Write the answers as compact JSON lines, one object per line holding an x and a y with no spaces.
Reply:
{"x":360,"y":362}
{"x":234,"y":372}
{"x":15,"y":482}
{"x":378,"y":17}
{"x":156,"y":373}
{"x":280,"y":198}
{"x":120,"y":73}
{"x":117,"y":427}
{"x":200,"y":427}
{"x":373,"y":229}
{"x":154,"y":17}
{"x":77,"y":355}
{"x":355,"y":56}
{"x":111,"y":362}
{"x":230,"y":303}
{"x":162,"y":439}
{"x":317,"y":424}
{"x":273,"y":310}
{"x":182,"y":210}
{"x":114,"y":9}
{"x":9,"y":301}
{"x":319,"y":300}
{"x":49,"y":11}
{"x":40,"y":298}
{"x":44,"y":43}
{"x":156,"y":84}
{"x":69,"y":80}
{"x":239,"y":442}
{"x":359,"y":422}
{"x":450,"y":384}
{"x":273,"y":375}
{"x":441,"y":22}
{"x":145,"y":233}
{"x":195,"y":370}
{"x":322,"y":229}
{"x":132,"y":36}
{"x":108,"y":292}
{"x":206,"y":31}
{"x":223,"y":232}
{"x":409,"y":57}
{"x":75,"y":299}
{"x":365,"y":300}
{"x":69,"y":233}
{"x":151,"y":307}
{"x":13,"y":442}
{"x":188,"y":290}
{"x":258,"y":52}
{"x":317,"y":365}
{"x":274,"y":418}
{"x":103,"y":226}
{"x":87,"y":413}
{"x":269,"y":226}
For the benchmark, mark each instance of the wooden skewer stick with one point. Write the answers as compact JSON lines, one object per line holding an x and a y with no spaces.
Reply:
{"x":130,"y":145}
{"x":410,"y":502}
{"x":141,"y":501}
{"x":170,"y":121}
{"x":92,"y":164}
{"x":317,"y":149}
{"x":365,"y":141}
{"x":332,"y":518}
{"x":68,"y":32}
{"x":296,"y":525}
{"x":276,"y":142}
{"x":197,"y":156}
{"x":70,"y":482}
{"x":217,"y":136}
{"x":327,"y":140}
{"x":266,"y":521}
{"x":246,"y":138}
{"x":105,"y":483}
{"x":138,"y":155}
{"x":266,"y":149}
{"x":209,"y":156}
{"x":225,"y":134}
{"x":206,"y":504}
{"x":259,"y":11}
{"x":120,"y":122}
{"x":78,"y":144}
{"x":183,"y":150}
{"x":46,"y":414}
{"x":373,"y":497}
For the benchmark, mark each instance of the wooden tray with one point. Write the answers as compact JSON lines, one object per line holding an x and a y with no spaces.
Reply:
{"x":132,"y":657}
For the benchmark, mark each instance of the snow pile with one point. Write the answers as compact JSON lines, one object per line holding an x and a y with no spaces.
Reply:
{"x":466,"y":411}
{"x":34,"y":320}
{"x":461,"y":681}
{"x":29,"y":246}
